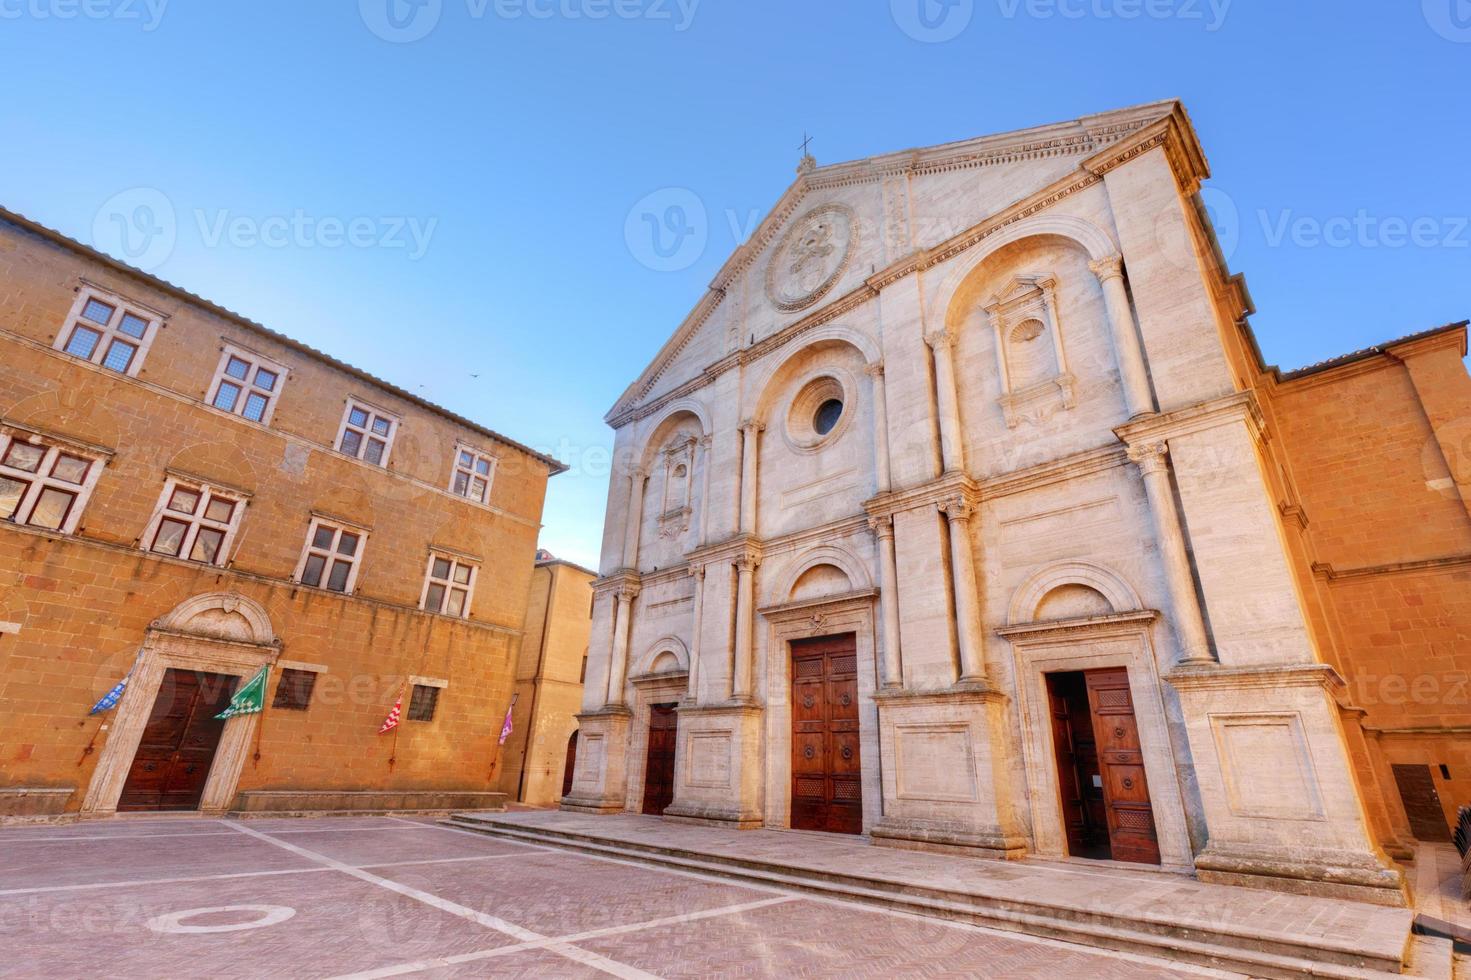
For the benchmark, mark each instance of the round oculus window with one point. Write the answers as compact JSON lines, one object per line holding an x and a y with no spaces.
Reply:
{"x":827,"y":416}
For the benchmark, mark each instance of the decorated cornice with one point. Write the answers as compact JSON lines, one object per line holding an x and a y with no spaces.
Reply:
{"x":1093,"y":626}
{"x":1115,"y":138}
{"x":1240,"y":406}
{"x":1054,"y":471}
{"x":1214,"y":677}
{"x":618,"y":581}
{"x":946,"y":489}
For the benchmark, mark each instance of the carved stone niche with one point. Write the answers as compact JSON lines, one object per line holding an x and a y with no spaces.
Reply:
{"x":679,"y":472}
{"x":1031,"y":361}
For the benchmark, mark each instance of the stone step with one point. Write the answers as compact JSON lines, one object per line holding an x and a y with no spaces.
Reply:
{"x":1225,"y":947}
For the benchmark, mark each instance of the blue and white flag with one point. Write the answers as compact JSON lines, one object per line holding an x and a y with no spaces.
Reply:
{"x":110,"y":699}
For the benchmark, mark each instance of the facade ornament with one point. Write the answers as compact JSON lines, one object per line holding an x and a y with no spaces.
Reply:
{"x":942,"y":338}
{"x":811,"y":257}
{"x":882,"y":526}
{"x":1108,"y":267}
{"x":874,"y":370}
{"x":752,"y":426}
{"x":956,"y":509}
{"x":1149,"y":456}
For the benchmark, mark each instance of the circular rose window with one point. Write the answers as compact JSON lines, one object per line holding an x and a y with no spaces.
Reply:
{"x":827,"y":416}
{"x":818,"y":413}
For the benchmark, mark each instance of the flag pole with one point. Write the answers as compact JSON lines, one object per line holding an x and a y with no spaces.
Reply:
{"x":495,"y":760}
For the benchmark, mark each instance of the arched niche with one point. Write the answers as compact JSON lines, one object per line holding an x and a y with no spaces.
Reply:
{"x":821,"y":571}
{"x":667,"y":655}
{"x":1083,"y":587}
{"x":226,"y":616}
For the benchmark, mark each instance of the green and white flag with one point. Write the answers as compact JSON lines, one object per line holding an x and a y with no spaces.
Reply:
{"x":249,"y":699}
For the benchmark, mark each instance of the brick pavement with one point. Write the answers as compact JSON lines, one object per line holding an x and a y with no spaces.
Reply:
{"x":388,"y":897}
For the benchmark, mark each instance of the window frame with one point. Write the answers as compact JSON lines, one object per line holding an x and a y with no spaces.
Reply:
{"x":477,"y":456}
{"x":277,"y":700}
{"x":109,"y":333}
{"x":36,"y":483}
{"x":365,"y":431}
{"x":431,"y":692}
{"x":456,"y":561}
{"x":256,"y":362}
{"x":331,"y":555}
{"x":196,"y":520}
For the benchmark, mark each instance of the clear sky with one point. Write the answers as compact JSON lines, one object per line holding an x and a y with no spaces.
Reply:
{"x":492,"y":164}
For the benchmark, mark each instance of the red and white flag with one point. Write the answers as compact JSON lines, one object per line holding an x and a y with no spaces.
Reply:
{"x":391,"y":722}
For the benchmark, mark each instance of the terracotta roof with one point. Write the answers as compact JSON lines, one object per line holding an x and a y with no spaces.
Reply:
{"x":1362,"y":353}
{"x":52,"y":235}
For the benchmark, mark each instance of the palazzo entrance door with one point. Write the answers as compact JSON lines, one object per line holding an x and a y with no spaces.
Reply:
{"x":178,"y":745}
{"x":659,"y":774}
{"x":827,"y":790}
{"x":1100,"y":768}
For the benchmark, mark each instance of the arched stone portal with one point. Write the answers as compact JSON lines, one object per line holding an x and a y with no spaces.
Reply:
{"x":216,"y":632}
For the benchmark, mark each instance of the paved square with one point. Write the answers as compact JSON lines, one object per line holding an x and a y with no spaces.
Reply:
{"x":384,"y":896}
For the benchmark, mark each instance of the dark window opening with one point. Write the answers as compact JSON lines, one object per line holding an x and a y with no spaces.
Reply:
{"x":423,"y":703}
{"x":294,"y":692}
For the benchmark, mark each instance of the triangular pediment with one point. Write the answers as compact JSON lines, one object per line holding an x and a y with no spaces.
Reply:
{"x":801,"y":258}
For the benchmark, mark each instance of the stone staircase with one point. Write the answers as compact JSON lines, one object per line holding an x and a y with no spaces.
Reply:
{"x":1258,"y":933}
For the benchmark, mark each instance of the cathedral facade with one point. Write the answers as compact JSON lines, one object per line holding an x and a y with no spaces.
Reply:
{"x":955,"y":515}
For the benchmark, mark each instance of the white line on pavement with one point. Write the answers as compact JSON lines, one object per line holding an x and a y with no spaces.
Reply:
{"x":158,"y":881}
{"x":401,"y":968}
{"x":454,"y":908}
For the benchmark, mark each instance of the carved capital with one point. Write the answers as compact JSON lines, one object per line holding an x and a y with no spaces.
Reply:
{"x":638,"y":473}
{"x":1149,"y":456}
{"x":626,"y":592}
{"x":956,"y":509}
{"x":940,"y":340}
{"x":747,"y":563}
{"x":875,"y":370}
{"x":882,"y":526}
{"x":752,"y":427}
{"x":697,"y":572}
{"x":1108,"y":267}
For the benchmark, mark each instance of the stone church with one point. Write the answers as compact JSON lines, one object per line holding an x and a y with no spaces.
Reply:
{"x":961,"y":513}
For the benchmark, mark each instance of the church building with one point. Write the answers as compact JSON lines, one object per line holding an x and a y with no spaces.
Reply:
{"x":963,"y":513}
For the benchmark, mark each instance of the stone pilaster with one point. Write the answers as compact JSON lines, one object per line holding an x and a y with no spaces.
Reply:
{"x":969,"y":633}
{"x":893,"y":670}
{"x":952,"y":444}
{"x":1185,"y":613}
{"x":881,"y":468}
{"x":750,"y":455}
{"x":1127,"y":351}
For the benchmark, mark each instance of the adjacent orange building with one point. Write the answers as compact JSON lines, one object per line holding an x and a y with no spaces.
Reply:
{"x":187,"y":496}
{"x":549,"y":675}
{"x":1374,"y":478}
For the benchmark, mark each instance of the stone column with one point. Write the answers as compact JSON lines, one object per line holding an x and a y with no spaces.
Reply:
{"x":633,"y":517}
{"x":744,"y":651}
{"x":883,"y":528}
{"x":618,"y":667}
{"x":697,"y":572}
{"x":1127,"y":352}
{"x":751,"y":431}
{"x":881,"y":471}
{"x":704,"y":536}
{"x":952,"y":452}
{"x":1184,"y":606}
{"x":967,"y":592}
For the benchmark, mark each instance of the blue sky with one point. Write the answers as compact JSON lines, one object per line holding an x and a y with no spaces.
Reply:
{"x":516,"y":136}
